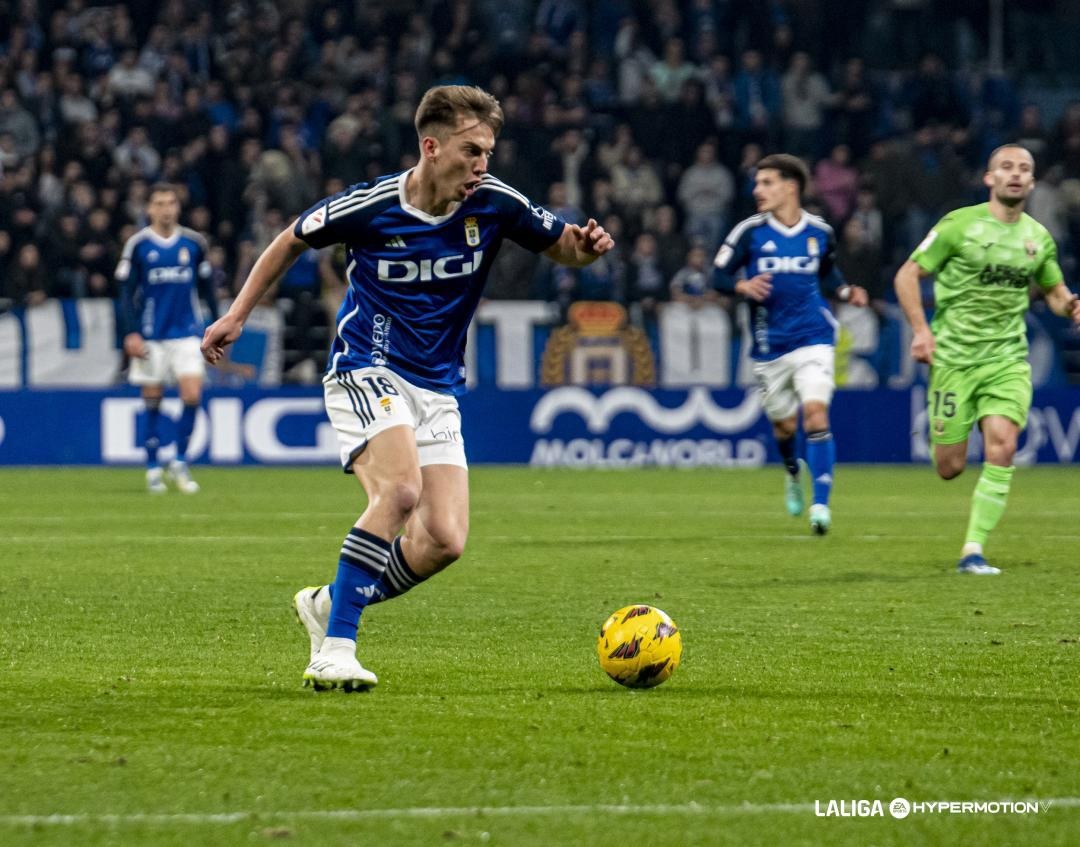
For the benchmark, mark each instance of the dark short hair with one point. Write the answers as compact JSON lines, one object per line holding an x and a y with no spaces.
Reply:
{"x":789,"y":167}
{"x":163,"y":188}
{"x":442,"y":105}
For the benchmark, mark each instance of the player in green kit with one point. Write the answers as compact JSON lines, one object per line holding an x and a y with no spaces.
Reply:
{"x":984,"y":260}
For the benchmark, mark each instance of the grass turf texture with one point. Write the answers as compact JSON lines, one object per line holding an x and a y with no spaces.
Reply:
{"x":151,"y":664}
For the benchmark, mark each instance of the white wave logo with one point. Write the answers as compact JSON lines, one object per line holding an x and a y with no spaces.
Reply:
{"x":598,"y":412}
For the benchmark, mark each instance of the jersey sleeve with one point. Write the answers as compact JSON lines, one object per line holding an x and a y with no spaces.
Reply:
{"x":204,"y":276}
{"x":829,"y":272}
{"x":341,"y":218}
{"x":127,"y":274}
{"x":938,"y":246}
{"x":530,"y":225}
{"x":733,"y":254}
{"x":1049,"y":273}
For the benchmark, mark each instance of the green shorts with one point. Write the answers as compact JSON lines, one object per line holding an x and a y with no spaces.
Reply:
{"x":958,"y":397}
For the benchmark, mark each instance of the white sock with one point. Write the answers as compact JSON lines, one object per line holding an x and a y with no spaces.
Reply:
{"x":972,"y":548}
{"x":338,"y":647}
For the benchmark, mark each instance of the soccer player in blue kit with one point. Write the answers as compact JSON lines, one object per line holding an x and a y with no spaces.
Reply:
{"x":162,"y":272}
{"x":419,"y":245}
{"x":786,"y":255}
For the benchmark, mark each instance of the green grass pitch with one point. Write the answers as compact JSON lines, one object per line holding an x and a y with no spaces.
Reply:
{"x":150,"y":664}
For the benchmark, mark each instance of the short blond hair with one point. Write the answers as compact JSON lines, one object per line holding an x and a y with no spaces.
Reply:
{"x":442,"y":106}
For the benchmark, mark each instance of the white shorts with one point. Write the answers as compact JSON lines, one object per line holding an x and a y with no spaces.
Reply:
{"x":166,"y":361}
{"x":364,"y":402}
{"x":803,"y":375}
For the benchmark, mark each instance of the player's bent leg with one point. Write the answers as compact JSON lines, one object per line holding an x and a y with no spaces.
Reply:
{"x":436,"y":533}
{"x":821,"y":459}
{"x":389,"y":472}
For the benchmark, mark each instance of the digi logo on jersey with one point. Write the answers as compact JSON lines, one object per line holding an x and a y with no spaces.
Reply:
{"x":789,"y":264}
{"x":169,"y":275}
{"x":447,"y":267}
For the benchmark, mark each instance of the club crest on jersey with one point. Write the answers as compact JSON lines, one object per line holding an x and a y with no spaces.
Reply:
{"x":185,"y":256}
{"x":472,"y":232}
{"x":1030,"y":249}
{"x":812,"y":246}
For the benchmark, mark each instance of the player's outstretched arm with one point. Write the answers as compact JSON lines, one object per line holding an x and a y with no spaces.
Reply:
{"x":1063,"y":302}
{"x":910,"y":297}
{"x":579,"y":246}
{"x":268,"y":269}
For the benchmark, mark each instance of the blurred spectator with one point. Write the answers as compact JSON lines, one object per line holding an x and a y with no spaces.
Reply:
{"x":672,"y":71}
{"x":692,"y":284}
{"x":706,"y":192}
{"x":128,"y":79}
{"x":646,"y":284}
{"x":635,"y":185}
{"x":757,"y":100}
{"x":25,"y":278}
{"x":672,"y":245}
{"x":855,"y":108}
{"x":835,"y":183}
{"x":806,"y":96}
{"x":135,"y":156}
{"x":934,"y":98}
{"x":19,"y":124}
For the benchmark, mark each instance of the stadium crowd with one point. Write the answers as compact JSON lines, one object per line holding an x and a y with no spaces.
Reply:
{"x":651,"y":115}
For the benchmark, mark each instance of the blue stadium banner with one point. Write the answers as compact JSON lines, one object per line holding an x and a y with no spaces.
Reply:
{"x":563,"y":426}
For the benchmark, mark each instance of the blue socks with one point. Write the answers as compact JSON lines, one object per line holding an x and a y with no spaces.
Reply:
{"x":153,"y":437}
{"x":398,"y":579}
{"x":184,"y":428}
{"x":820,"y":457}
{"x":361,"y":566}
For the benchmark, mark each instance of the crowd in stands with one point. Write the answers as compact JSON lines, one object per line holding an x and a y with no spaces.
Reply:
{"x":649,"y":116}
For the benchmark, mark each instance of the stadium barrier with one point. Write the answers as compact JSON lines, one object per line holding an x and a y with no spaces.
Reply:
{"x":677,"y":395}
{"x":564,"y":426}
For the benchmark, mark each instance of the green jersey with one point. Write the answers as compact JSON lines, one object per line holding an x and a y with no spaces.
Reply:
{"x":983,"y":270}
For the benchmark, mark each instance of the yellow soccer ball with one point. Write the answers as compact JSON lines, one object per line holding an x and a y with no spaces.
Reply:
{"x":639,"y":646}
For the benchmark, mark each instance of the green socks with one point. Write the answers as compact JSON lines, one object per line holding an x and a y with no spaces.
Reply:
{"x":988,"y":502}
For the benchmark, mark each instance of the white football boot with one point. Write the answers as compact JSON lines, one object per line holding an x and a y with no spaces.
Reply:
{"x":820,"y":519}
{"x":312,"y":606}
{"x":155,"y":481}
{"x":336,"y":666}
{"x":181,"y":478}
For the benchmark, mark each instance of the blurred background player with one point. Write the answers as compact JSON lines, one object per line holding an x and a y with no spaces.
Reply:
{"x":162,"y":272}
{"x":786,"y":254}
{"x":984,"y":260}
{"x":419,"y":245}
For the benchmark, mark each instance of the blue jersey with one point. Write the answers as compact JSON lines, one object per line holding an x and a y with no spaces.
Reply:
{"x":161,"y":280}
{"x":415,"y":280}
{"x":800,"y":258}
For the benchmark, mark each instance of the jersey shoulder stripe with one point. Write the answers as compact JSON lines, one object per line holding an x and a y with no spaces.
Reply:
{"x":382,"y":194}
{"x":135,"y":241}
{"x":197,"y":237}
{"x":819,"y":221}
{"x":361,"y":192}
{"x":741,"y":227}
{"x":509,"y":192}
{"x":488,"y":181}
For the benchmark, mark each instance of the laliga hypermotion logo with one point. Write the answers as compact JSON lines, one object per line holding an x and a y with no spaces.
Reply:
{"x":598,"y":412}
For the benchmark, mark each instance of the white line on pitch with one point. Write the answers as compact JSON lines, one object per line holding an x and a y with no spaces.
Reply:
{"x":137,"y":818}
